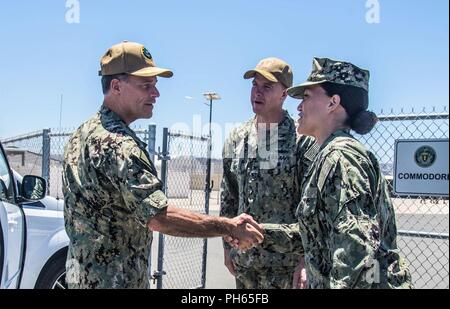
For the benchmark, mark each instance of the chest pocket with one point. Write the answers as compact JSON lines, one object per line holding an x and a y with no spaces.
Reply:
{"x":286,"y":170}
{"x":282,"y":166}
{"x":309,"y":201}
{"x":286,"y":165}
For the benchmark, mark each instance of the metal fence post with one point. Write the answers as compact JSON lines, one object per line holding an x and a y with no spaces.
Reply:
{"x":151,"y":147}
{"x":46,"y":157}
{"x":152,"y":142}
{"x":208,"y":188}
{"x":164,"y":158}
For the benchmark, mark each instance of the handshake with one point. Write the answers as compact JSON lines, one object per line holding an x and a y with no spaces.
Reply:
{"x":245,"y":234}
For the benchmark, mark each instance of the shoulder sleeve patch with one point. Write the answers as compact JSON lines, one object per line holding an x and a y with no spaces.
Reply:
{"x":328,"y":167}
{"x":144,"y":158}
{"x":141,"y":158}
{"x":312,"y":152}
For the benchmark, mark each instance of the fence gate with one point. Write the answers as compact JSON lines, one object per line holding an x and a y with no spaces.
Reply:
{"x":182,"y":261}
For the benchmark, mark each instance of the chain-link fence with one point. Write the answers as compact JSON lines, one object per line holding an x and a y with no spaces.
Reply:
{"x":25,"y":153}
{"x":38,"y":153}
{"x":182,"y":261}
{"x":41,"y":153}
{"x":422,"y":221}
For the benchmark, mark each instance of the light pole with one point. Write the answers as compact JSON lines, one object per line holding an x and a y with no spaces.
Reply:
{"x":211,"y":96}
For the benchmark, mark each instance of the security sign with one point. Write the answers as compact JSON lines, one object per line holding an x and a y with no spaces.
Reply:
{"x":421,"y":167}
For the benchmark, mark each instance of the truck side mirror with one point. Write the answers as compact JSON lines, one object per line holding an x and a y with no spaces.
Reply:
{"x":33,"y":188}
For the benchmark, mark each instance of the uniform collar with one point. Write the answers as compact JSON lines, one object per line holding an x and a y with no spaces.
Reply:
{"x":113,"y":123}
{"x":285,"y":126}
{"x":335,"y":134}
{"x":285,"y":129}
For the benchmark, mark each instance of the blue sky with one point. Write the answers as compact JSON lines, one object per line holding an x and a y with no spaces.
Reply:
{"x":209,"y":45}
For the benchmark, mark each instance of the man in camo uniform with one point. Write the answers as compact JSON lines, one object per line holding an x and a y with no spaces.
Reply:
{"x":263,"y":163}
{"x":113,"y":197}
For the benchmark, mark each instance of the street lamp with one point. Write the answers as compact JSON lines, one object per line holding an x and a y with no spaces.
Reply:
{"x":211,"y":96}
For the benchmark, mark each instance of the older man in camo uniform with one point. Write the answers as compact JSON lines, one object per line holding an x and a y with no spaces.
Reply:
{"x":113,"y":197}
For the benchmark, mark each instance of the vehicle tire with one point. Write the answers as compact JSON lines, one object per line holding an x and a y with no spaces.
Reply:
{"x":53,"y":275}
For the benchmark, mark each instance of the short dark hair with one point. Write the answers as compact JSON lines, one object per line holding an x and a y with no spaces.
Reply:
{"x":355,"y":101}
{"x":107,"y":79}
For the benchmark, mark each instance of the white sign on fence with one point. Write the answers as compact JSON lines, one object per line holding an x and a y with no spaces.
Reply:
{"x":421,"y":167}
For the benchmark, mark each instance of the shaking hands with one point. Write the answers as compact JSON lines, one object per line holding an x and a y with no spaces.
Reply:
{"x":247,"y":233}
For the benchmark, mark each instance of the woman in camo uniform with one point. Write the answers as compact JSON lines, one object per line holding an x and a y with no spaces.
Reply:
{"x":346,"y":218}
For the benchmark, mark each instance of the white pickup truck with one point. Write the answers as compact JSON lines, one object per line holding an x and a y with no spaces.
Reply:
{"x":33,"y":242}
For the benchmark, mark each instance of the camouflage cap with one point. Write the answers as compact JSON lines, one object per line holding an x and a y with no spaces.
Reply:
{"x":274,"y":70}
{"x":130,"y":58}
{"x":338,"y":72}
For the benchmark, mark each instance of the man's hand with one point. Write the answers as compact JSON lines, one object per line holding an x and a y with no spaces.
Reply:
{"x":246,"y":233}
{"x":241,"y":219}
{"x":233,"y":242}
{"x":228,"y":262}
{"x":299,"y":280}
{"x":249,"y":219}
